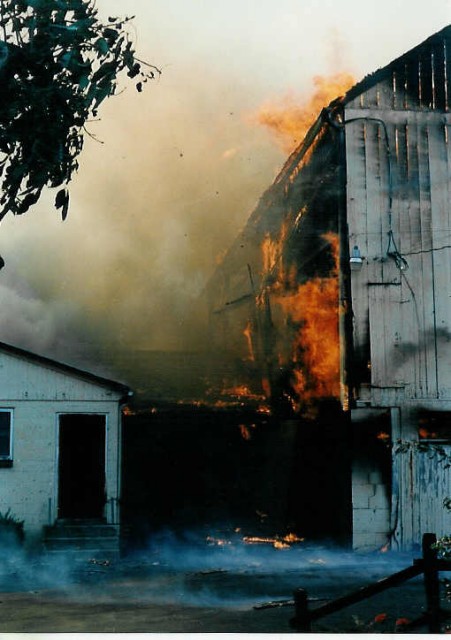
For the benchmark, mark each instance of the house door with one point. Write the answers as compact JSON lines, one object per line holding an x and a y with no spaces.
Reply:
{"x":81,"y":468}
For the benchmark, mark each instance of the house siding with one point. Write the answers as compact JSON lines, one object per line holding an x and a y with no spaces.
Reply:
{"x":38,"y":395}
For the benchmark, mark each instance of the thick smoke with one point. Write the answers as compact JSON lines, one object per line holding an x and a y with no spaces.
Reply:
{"x":163,"y":189}
{"x":151,"y":209}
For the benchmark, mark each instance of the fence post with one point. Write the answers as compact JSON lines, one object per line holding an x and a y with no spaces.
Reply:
{"x":301,"y":620}
{"x":431,"y":582}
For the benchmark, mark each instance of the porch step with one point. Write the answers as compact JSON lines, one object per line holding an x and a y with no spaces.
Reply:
{"x":89,"y":539}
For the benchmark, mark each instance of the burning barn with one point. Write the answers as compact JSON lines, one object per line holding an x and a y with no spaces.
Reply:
{"x":60,"y":452}
{"x":335,"y":302}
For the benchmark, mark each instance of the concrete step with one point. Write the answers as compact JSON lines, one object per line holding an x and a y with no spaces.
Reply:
{"x":90,"y":539}
{"x":81,"y":531}
{"x":104,"y":544}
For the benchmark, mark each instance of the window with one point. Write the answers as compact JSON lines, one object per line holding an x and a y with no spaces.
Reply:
{"x":6,"y":420}
{"x":435,"y":426}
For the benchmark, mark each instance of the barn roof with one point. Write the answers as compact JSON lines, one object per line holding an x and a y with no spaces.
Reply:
{"x":64,"y":368}
{"x":433,"y":54}
{"x":435,"y":43}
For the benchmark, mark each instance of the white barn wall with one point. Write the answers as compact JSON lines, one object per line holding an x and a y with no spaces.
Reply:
{"x":403,"y":316}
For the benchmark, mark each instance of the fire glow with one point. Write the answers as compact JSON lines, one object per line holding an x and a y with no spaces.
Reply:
{"x":290,"y":120}
{"x":313,"y":308}
{"x":277,"y":541}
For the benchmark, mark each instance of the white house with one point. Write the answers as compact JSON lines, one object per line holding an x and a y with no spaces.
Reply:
{"x":60,"y":444}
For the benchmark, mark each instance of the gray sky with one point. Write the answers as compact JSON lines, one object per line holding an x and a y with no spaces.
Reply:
{"x":182,"y":164}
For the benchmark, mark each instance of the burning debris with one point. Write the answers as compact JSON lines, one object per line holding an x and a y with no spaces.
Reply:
{"x":278,"y":542}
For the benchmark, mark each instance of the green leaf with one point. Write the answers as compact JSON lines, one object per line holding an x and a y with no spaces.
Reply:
{"x":83,"y":82}
{"x":102,"y":46}
{"x":62,"y":202}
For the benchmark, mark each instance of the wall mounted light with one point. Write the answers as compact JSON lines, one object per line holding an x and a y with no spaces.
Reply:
{"x":356,"y":260}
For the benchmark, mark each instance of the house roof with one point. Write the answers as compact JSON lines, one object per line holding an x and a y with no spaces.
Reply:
{"x":65,"y":368}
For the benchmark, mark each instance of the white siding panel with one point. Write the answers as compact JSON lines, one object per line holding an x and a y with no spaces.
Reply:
{"x":410,"y":340}
{"x":38,"y":395}
{"x":23,"y":379}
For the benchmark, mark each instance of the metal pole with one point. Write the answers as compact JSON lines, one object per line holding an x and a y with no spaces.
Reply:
{"x":301,"y":620}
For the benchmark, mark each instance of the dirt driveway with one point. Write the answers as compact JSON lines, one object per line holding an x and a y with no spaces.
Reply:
{"x":186,"y":590}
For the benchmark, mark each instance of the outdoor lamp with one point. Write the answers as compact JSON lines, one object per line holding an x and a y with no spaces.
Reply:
{"x":356,"y":259}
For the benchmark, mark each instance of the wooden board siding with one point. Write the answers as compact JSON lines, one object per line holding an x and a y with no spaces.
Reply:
{"x":409,"y":312}
{"x":398,"y":159}
{"x":418,"y":80}
{"x":423,"y":481}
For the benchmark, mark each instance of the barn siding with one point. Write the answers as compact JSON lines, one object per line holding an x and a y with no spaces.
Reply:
{"x":424,"y":483}
{"x":396,"y":126}
{"x":402,"y":318}
{"x":408,"y":311}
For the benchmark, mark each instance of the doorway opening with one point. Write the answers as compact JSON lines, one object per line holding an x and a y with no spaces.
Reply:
{"x":81,"y":466}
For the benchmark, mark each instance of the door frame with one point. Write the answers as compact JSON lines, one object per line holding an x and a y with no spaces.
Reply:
{"x":54,"y":512}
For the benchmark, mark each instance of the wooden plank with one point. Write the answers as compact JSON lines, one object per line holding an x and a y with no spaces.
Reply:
{"x":410,"y":235}
{"x":433,"y":483}
{"x":425,"y":287}
{"x":426,"y":79}
{"x":413,"y":82}
{"x":440,"y":169}
{"x":356,"y":202}
{"x":377,"y":221}
{"x":364,"y":592}
{"x":407,"y":518}
{"x":439,"y":78}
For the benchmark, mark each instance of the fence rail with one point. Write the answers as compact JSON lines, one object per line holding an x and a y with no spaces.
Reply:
{"x":429,"y":565}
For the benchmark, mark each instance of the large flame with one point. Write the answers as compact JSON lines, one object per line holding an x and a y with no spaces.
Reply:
{"x":290,"y":120}
{"x":314,"y":355}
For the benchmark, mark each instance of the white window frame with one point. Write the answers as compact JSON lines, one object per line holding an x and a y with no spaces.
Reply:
{"x":11,"y":432}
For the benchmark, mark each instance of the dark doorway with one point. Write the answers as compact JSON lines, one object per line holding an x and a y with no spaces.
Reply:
{"x":81,"y":468}
{"x":320,"y":500}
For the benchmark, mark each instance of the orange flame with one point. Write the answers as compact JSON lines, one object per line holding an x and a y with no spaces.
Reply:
{"x":245,"y":431}
{"x":248,"y":335}
{"x":313,"y":307}
{"x":290,"y":120}
{"x":278,"y":542}
{"x":241,"y":391}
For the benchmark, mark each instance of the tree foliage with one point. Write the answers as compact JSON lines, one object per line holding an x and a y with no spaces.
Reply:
{"x":58,"y":63}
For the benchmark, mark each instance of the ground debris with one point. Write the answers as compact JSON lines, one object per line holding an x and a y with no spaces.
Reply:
{"x":274,"y":604}
{"x":209,"y":572}
{"x":102,"y":563}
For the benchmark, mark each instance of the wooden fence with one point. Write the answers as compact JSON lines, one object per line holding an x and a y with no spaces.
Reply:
{"x":429,"y":565}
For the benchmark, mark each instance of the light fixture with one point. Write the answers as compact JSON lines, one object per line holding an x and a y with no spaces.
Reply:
{"x":356,"y":260}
